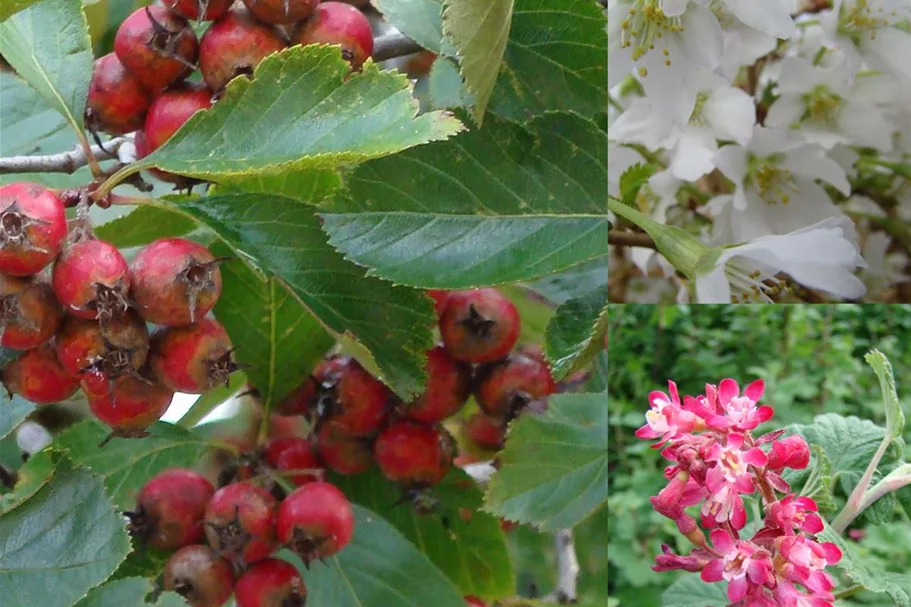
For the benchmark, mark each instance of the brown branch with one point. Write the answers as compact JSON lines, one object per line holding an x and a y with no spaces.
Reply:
{"x":630,"y":239}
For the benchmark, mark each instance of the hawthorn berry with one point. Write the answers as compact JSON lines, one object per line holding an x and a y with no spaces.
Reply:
{"x":157,"y":46}
{"x":119,"y":347}
{"x":473,"y":601}
{"x":354,"y":400}
{"x":29,"y":312}
{"x":38,"y":377}
{"x":315,"y":521}
{"x":117,"y":102}
{"x":199,"y":10}
{"x":479,"y":326}
{"x":128,"y":404}
{"x":175,"y":281}
{"x":170,"y":111}
{"x":234,"y":45}
{"x":439,"y":300}
{"x":92,"y":280}
{"x":281,"y":11}
{"x":414,"y":455}
{"x":485,"y":432}
{"x":193,"y":358}
{"x":504,"y":388}
{"x":301,"y":400}
{"x":297,"y":455}
{"x":32,"y":228}
{"x":340,"y":24}
{"x":448,"y":387}
{"x":343,"y":453}
{"x":200,"y":576}
{"x":270,"y":583}
{"x":240,"y":522}
{"x":170,"y":508}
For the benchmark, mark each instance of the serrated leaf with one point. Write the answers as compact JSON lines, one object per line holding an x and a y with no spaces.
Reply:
{"x":690,"y":591}
{"x":576,"y":332}
{"x":632,"y":180}
{"x":597,"y":380}
{"x":143,"y":561}
{"x":895,"y":419}
{"x":818,"y":484}
{"x":572,"y":283}
{"x":126,"y":592}
{"x":11,"y":7}
{"x":143,"y":225}
{"x":12,"y":410}
{"x":62,"y":541}
{"x":301,"y":110}
{"x":556,"y":59}
{"x":420,"y":20}
{"x":554,"y":466}
{"x":58,"y":66}
{"x":445,"y":85}
{"x":30,"y":477}
{"x":313,"y":186}
{"x":126,"y":465}
{"x":472,"y":552}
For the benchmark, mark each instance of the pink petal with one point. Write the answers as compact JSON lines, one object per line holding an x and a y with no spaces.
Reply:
{"x":833,"y":554}
{"x":655,"y":395}
{"x":756,"y":457}
{"x":646,"y":432}
{"x":806,"y":503}
{"x":813,"y":524}
{"x":744,"y":484}
{"x":764,"y":413}
{"x":739,"y":517}
{"x":754,"y":390}
{"x":722,"y":540}
{"x":712,"y":571}
{"x":672,"y":388}
{"x":735,"y":440}
{"x":727,"y":390}
{"x":758,"y":572}
{"x":737,"y":589}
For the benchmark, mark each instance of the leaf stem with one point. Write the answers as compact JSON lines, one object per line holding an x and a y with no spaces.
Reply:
{"x":854,"y":506}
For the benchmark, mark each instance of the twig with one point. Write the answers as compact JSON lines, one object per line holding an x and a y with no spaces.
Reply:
{"x":567,"y":569}
{"x":64,"y":162}
{"x":393,"y":44}
{"x":630,"y":239}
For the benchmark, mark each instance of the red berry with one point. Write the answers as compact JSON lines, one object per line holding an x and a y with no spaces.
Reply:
{"x":343,"y":453}
{"x":38,"y":377}
{"x":354,"y":400}
{"x":32,"y":228}
{"x":504,"y":388}
{"x":192,"y":9}
{"x":301,"y":400}
{"x":170,"y":111}
{"x":448,"y":387}
{"x":485,"y":432}
{"x":413,"y":454}
{"x":156,"y":46}
{"x":175,"y":281}
{"x":233,"y":46}
{"x":91,"y":279}
{"x":341,"y":24}
{"x":193,"y":358}
{"x":170,"y":508}
{"x":143,"y":149}
{"x":128,"y":404}
{"x":479,"y":326}
{"x":473,"y":601}
{"x":315,"y":521}
{"x":118,"y":348}
{"x":117,"y":102}
{"x":29,"y":312}
{"x":281,"y":11}
{"x":240,"y":522}
{"x":199,"y":575}
{"x":439,"y":300}
{"x":270,"y":583}
{"x":294,"y":454}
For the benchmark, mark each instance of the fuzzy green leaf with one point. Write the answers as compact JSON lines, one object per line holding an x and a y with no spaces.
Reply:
{"x":632,"y":180}
{"x":690,"y":591}
{"x":895,"y":418}
{"x":11,"y":7}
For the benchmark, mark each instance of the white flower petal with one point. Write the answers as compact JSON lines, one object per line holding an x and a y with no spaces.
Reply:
{"x":674,"y":8}
{"x":768,"y":16}
{"x":692,"y":158}
{"x":889,"y":51}
{"x":702,"y":36}
{"x":731,"y":114}
{"x":732,"y":161}
{"x":786,"y":110}
{"x":866,"y":125}
{"x":713,"y":287}
{"x":811,"y":161}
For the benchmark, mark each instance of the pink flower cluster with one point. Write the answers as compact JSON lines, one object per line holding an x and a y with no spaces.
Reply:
{"x":715,"y":461}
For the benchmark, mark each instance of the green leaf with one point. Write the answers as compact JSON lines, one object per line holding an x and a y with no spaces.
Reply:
{"x":572,"y":283}
{"x":49,"y":47}
{"x":143,"y":225}
{"x":11,"y":7}
{"x":690,"y":591}
{"x":632,"y":180}
{"x":431,"y":250}
{"x":479,"y":30}
{"x":895,"y":419}
{"x":126,"y":465}
{"x":128,"y":592}
{"x":311,"y":185}
{"x":31,"y":476}
{"x":554,"y":466}
{"x":576,"y":332}
{"x":818,"y":483}
{"x":420,"y":20}
{"x":378,"y":567}
{"x":300,"y":111}
{"x":12,"y":410}
{"x":472,"y":552}
{"x":210,"y":401}
{"x":67,"y":539}
{"x":556,"y":59}
{"x":597,"y":381}
{"x":446,"y":87}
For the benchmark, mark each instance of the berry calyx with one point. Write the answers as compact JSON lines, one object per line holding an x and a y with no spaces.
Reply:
{"x":354,"y":400}
{"x":281,"y":11}
{"x":315,"y":521}
{"x":113,"y":350}
{"x":294,"y":455}
{"x":479,"y":326}
{"x":503,"y":389}
{"x":240,"y":523}
{"x":32,"y":228}
{"x":200,"y":576}
{"x":485,"y":432}
{"x":175,"y":281}
{"x":170,"y":508}
{"x":448,"y":387}
{"x":91,"y":280}
{"x":340,"y":24}
{"x":270,"y":583}
{"x":128,"y":404}
{"x":414,"y":455}
{"x":38,"y":377}
{"x":29,"y":312}
{"x":171,"y":110}
{"x":193,"y":358}
{"x":157,"y":46}
{"x":233,"y":46}
{"x":117,"y":102}
{"x":199,"y":10}
{"x":343,"y":453}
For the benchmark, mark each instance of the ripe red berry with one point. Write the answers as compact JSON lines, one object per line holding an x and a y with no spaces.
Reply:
{"x":504,"y":388}
{"x":117,"y":102}
{"x":240,"y":522}
{"x":270,"y":583}
{"x":118,"y":348}
{"x":233,"y":46}
{"x":281,"y":11}
{"x":32,"y":228}
{"x":199,"y":575}
{"x":341,"y":24}
{"x":193,"y":358}
{"x":128,"y":404}
{"x":485,"y":432}
{"x":170,"y":111}
{"x":301,"y":400}
{"x":473,"y":601}
{"x":479,"y":326}
{"x":175,"y":281}
{"x":38,"y":377}
{"x":294,"y":454}
{"x":199,"y":10}
{"x":354,"y":400}
{"x":439,"y":300}
{"x":156,"y":46}
{"x":91,"y":280}
{"x":448,"y":387}
{"x":170,"y":508}
{"x":414,"y":455}
{"x":315,"y":521}
{"x":343,"y":453}
{"x":29,"y":312}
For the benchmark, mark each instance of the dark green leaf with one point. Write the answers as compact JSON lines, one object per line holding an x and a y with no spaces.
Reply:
{"x":632,"y":180}
{"x":126,"y":592}
{"x":572,"y":283}
{"x":312,"y":185}
{"x":576,"y":332}
{"x":143,"y":561}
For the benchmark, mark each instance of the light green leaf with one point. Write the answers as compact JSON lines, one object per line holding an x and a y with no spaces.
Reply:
{"x":67,"y":539}
{"x":895,"y":419}
{"x":143,"y":225}
{"x":143,"y":561}
{"x":690,"y":591}
{"x":572,"y":283}
{"x":129,"y":592}
{"x":472,"y":552}
{"x":632,"y":180}
{"x":31,"y":476}
{"x":12,"y":410}
{"x":11,"y":7}
{"x":554,"y":466}
{"x":420,"y":20}
{"x":446,"y":87}
{"x":210,"y":401}
{"x":311,"y":185}
{"x":576,"y":332}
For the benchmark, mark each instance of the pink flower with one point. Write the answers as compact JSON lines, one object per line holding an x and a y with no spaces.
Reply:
{"x":788,"y":595}
{"x":666,"y":418}
{"x":732,"y":464}
{"x":724,"y":506}
{"x":792,"y":512}
{"x":805,"y":560}
{"x":740,"y":413}
{"x":742,"y":564}
{"x":791,"y":452}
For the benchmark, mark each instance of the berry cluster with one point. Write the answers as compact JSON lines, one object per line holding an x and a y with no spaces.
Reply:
{"x":716,"y":460}
{"x":81,"y":315}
